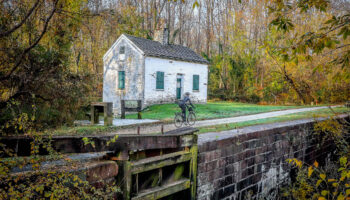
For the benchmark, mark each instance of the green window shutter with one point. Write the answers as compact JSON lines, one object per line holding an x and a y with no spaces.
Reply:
{"x":121,"y":79}
{"x":160,"y":80}
{"x":195,"y":82}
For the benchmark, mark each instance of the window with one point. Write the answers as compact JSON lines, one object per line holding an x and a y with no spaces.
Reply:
{"x":122,"y":53}
{"x":121,"y":79}
{"x":122,"y":50}
{"x":160,"y":81}
{"x":195,"y":82}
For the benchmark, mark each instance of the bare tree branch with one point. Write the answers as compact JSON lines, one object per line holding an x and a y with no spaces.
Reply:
{"x":19,"y":61}
{"x":6,"y":33}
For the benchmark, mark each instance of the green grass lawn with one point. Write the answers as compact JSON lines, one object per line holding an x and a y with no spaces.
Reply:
{"x":210,"y":110}
{"x":205,"y":111}
{"x":303,"y":115}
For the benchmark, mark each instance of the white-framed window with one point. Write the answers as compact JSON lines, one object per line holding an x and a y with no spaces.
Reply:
{"x":122,"y":53}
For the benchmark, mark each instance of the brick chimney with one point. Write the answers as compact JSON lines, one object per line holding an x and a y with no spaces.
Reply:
{"x":162,"y":36}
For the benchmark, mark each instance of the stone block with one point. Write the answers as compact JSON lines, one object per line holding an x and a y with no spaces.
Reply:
{"x":237,"y":148}
{"x":201,"y":167}
{"x":211,"y":165}
{"x":218,"y":173}
{"x":201,"y":158}
{"x":222,"y":162}
{"x":259,"y":159}
{"x":229,"y":170}
{"x":230,"y":159}
{"x":229,"y":190}
{"x":251,"y":161}
{"x":228,"y":180}
{"x":103,"y":170}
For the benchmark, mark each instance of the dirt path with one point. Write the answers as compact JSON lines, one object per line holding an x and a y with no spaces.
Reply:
{"x":156,"y":128}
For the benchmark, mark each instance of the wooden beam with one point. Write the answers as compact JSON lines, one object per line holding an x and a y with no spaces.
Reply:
{"x":160,"y":161}
{"x":163,"y":191}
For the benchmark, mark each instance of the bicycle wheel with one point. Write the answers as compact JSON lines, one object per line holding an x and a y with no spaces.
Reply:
{"x":178,"y":120}
{"x":191,"y":119}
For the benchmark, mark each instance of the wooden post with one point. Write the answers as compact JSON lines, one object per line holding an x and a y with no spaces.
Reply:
{"x":122,"y":104}
{"x":92,"y":112}
{"x":94,"y":115}
{"x":108,"y":113}
{"x":139,"y":106}
{"x":160,"y":171}
{"x":193,"y":167}
{"x":138,"y":130}
{"x":162,"y":129}
{"x":127,"y":180}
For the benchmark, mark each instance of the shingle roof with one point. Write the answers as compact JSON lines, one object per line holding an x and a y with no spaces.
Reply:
{"x":156,"y":49}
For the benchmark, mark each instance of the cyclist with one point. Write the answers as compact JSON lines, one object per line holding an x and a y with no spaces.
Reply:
{"x":183,"y":104}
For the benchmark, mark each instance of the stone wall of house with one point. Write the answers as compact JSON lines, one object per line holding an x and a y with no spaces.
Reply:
{"x":171,"y":69}
{"x":133,"y":65}
{"x":252,"y":161}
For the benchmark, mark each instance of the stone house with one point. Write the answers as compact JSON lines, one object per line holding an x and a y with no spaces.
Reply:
{"x":153,"y":71}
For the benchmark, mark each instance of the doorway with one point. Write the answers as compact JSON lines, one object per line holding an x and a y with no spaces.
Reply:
{"x":179,"y":84}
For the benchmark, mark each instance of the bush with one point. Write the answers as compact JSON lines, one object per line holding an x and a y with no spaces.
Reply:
{"x":331,"y":181}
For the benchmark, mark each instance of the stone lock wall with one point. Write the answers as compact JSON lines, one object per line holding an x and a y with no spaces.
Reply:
{"x":251,"y":161}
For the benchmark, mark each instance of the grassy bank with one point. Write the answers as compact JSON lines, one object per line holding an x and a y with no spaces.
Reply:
{"x":211,"y":110}
{"x":303,"y":115}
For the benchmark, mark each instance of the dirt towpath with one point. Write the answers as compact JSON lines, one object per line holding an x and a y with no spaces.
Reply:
{"x":156,"y":127}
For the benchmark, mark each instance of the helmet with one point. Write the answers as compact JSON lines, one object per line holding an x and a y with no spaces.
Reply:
{"x":187,"y":94}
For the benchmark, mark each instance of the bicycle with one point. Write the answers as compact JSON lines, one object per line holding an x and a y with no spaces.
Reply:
{"x":190,"y":119}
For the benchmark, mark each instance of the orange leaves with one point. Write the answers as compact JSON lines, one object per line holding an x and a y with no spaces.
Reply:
{"x":316,"y":164}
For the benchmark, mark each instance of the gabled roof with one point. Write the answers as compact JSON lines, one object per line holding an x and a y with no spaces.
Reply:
{"x":156,"y":49}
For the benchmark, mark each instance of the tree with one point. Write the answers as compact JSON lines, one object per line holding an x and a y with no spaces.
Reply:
{"x":35,"y":41}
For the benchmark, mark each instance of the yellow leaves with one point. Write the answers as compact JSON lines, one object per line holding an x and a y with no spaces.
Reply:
{"x":88,"y":141}
{"x":39,"y":189}
{"x":295,"y":162}
{"x":329,"y":126}
{"x":321,"y":198}
{"x":309,"y":171}
{"x":324,"y":192}
{"x":347,"y":192}
{"x":343,"y":161}
{"x":340,"y":197}
{"x":323,"y":176}
{"x":318,"y":182}
{"x":344,"y":174}
{"x":331,"y":180}
{"x":47,"y":194}
{"x":112,"y":140}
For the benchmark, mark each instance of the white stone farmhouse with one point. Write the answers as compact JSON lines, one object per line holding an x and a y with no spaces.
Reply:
{"x":155,"y":72}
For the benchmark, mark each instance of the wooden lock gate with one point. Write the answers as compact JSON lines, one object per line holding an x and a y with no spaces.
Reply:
{"x":159,"y":173}
{"x":151,"y":166}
